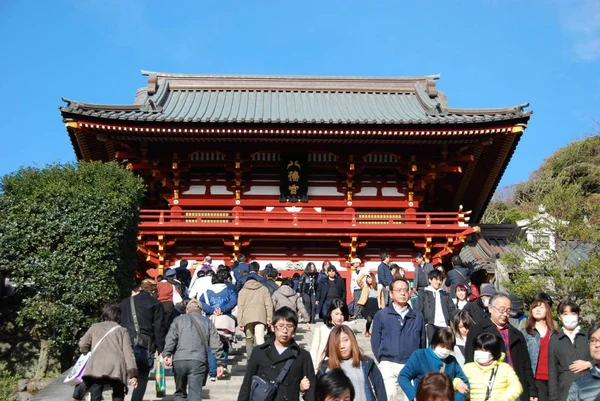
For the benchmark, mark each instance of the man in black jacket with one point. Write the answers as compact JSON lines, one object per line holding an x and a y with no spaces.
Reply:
{"x":422,"y":269}
{"x":514,"y":344}
{"x":331,"y":288}
{"x":435,"y":304}
{"x":458,"y":275}
{"x":267,"y":361}
{"x":151,"y":335}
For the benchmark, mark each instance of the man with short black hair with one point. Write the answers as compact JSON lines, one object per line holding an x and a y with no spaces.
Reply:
{"x":513,"y":343}
{"x":241,"y":268}
{"x":271,"y":275}
{"x":186,"y":349}
{"x":253,"y":269}
{"x":268,"y":360}
{"x":397,"y":331}
{"x":435,"y":304}
{"x":422,"y":269}
{"x":148,"y":336}
{"x":384,"y":276}
{"x":183,"y":274}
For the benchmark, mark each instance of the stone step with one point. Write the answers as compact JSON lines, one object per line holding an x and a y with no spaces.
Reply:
{"x":227,"y":389}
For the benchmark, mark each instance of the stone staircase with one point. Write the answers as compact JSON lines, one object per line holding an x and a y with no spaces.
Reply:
{"x":227,"y":389}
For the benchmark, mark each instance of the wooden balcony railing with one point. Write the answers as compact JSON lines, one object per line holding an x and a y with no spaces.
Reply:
{"x":261,"y":219}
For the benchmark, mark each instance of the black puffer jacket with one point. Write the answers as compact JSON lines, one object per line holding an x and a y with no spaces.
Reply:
{"x":266,"y":362}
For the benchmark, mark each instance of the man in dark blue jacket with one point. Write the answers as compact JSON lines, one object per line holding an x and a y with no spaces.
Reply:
{"x":253,"y":269}
{"x":384,"y":275}
{"x":397,"y":331}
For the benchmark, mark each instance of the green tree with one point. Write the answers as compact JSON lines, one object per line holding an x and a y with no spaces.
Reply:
{"x":68,"y":240}
{"x":564,"y":256}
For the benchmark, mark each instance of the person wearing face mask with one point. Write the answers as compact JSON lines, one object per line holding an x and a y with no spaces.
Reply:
{"x":512,"y":342}
{"x":489,"y":376}
{"x":435,"y":358}
{"x":343,"y":352}
{"x":569,"y":355}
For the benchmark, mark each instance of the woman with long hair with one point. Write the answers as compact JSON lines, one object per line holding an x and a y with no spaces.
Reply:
{"x":540,"y":328}
{"x":343,"y":352}
{"x":308,"y":290}
{"x":336,"y":314}
{"x":372,"y":300}
{"x":112,"y":363}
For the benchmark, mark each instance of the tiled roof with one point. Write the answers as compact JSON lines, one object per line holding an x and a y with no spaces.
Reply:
{"x":483,"y":249}
{"x":174,"y":98}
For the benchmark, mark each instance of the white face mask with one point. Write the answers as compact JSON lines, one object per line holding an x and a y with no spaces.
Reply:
{"x":482,"y":357}
{"x":441,"y":352}
{"x":570,"y":321}
{"x":486,"y":302}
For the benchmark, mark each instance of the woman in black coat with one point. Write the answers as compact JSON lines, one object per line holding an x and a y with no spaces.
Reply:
{"x":308,"y":289}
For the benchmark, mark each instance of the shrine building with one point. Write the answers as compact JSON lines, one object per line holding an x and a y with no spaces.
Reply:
{"x":293,"y":169}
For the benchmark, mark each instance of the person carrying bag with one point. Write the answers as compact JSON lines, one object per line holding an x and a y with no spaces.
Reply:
{"x":262,"y":390}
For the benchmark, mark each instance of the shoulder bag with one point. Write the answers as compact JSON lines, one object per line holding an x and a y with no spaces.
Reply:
{"x":76,"y":373}
{"x":262,"y":390}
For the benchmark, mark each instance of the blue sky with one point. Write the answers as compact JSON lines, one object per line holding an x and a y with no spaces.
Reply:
{"x":489,"y":53}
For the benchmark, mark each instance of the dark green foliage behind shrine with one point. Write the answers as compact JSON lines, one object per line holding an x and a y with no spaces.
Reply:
{"x":68,"y":241}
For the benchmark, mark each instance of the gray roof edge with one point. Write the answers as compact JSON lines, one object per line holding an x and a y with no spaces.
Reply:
{"x":296,"y":82}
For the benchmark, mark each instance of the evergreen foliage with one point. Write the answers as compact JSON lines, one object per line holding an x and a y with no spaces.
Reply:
{"x":68,"y":240}
{"x":565,"y":259}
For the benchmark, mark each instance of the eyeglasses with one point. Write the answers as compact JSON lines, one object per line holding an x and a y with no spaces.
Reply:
{"x":594,"y":341}
{"x":285,"y":327}
{"x":401,"y":290}
{"x":502,"y":311}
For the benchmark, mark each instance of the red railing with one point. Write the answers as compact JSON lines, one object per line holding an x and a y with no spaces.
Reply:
{"x":309,"y":218}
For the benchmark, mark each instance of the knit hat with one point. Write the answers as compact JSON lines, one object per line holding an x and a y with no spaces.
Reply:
{"x":517,"y":304}
{"x":356,"y":260}
{"x":170,"y":272}
{"x":487,"y":290}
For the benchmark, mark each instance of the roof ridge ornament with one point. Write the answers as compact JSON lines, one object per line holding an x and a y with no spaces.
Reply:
{"x":152,"y":83}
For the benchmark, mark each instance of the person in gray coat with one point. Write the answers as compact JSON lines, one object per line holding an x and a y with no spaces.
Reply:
{"x":569,"y":354}
{"x":186,"y":348}
{"x":286,"y":296}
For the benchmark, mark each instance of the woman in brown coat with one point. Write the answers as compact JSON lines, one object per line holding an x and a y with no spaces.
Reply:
{"x":112,"y":363}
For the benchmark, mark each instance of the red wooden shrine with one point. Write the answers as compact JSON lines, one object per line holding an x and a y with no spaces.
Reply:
{"x":298,"y":169}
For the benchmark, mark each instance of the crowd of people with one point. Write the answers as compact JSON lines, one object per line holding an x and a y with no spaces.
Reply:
{"x":445,"y":337}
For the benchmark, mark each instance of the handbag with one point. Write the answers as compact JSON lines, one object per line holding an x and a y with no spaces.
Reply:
{"x":262,"y":390}
{"x":223,"y":323}
{"x":75,"y":375}
{"x":159,"y":377}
